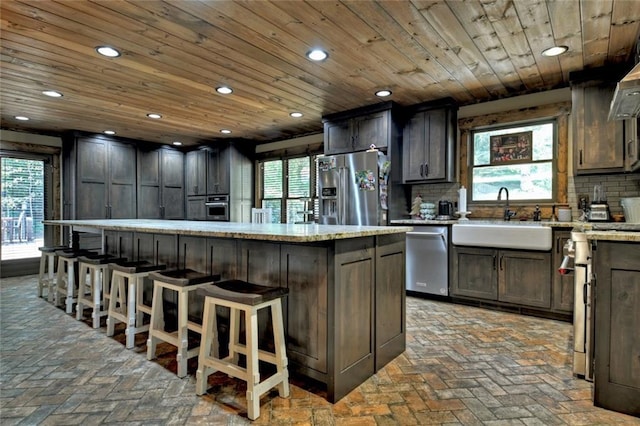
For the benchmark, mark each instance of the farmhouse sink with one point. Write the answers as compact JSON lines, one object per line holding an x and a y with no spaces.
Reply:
{"x":517,"y":235}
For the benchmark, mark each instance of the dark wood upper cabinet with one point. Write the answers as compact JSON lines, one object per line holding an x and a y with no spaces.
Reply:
{"x":218,"y":170}
{"x":428,"y":142}
{"x":196,"y":172}
{"x":358,"y":129}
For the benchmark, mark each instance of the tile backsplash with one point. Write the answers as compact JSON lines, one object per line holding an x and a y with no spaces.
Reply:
{"x":615,"y":186}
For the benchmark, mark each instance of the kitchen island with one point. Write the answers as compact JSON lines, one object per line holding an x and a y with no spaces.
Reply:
{"x":345,"y":312}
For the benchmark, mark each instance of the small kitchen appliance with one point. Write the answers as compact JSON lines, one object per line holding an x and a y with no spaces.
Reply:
{"x":445,"y":210}
{"x":599,"y":209}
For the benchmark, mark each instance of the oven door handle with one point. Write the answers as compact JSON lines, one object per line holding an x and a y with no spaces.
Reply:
{"x":221,"y":204}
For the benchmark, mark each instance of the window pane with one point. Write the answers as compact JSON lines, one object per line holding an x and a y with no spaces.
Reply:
{"x":298,"y":175}
{"x":294,"y":211}
{"x":524,"y":181}
{"x":22,"y":207}
{"x":542,"y":142}
{"x":273,"y":179}
{"x":276,"y":209}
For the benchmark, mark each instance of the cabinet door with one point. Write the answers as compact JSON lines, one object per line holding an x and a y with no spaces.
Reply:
{"x":149,"y":184}
{"x":598,"y":143}
{"x":119,"y":244}
{"x":218,"y":171}
{"x":195,"y":173}
{"x":413,"y":148}
{"x":196,"y":210}
{"x":524,"y":278}
{"x":122,"y":174}
{"x":172,"y":180}
{"x":371,"y":129}
{"x":475,"y":273}
{"x":338,"y":137}
{"x":435,"y":144}
{"x":92,"y":179}
{"x":617,"y":346}
{"x":305,"y":273}
{"x":563,"y":285}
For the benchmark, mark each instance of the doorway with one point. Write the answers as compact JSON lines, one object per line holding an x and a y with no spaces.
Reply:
{"x":25,"y":197}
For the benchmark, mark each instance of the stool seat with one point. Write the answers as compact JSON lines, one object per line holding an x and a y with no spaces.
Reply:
{"x":136,"y":267}
{"x":248,"y":299}
{"x":72,"y":254}
{"x":181,"y":281}
{"x":100,"y":259}
{"x":243,"y":292}
{"x":52,"y":249}
{"x":126,"y":302}
{"x":183,"y":277}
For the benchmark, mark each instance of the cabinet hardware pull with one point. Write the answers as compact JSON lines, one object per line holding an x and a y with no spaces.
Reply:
{"x":558,"y":245}
{"x":581,"y":157}
{"x":426,"y":169}
{"x":421,"y":170}
{"x":501,"y":257}
{"x":494,"y":262}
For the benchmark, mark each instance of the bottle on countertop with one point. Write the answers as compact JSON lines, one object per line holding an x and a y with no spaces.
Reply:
{"x":536,"y":214}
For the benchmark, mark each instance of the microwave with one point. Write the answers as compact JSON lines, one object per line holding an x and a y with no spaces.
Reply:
{"x":217,"y":207}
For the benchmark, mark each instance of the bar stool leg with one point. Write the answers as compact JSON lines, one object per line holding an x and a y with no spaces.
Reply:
{"x":51,"y":277}
{"x":117,"y":284}
{"x":234,"y":335}
{"x":183,"y":333}
{"x":157,"y":321}
{"x":280,"y":349}
{"x":41,"y":273}
{"x":71,"y":285}
{"x":253,"y":373}
{"x":132,"y":315}
{"x":209,"y":347}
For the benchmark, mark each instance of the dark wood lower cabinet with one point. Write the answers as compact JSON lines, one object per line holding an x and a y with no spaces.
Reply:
{"x":563,"y":285}
{"x":345,"y":311}
{"x":518,"y":277}
{"x":617,"y":327}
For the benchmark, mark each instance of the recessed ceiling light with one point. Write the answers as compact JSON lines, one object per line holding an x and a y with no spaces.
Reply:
{"x":177,"y":143}
{"x":296,"y":114}
{"x":383,"y":93}
{"x":21,"y":118}
{"x":154,"y":115}
{"x":109,"y":132}
{"x":52,"y":93}
{"x":555,"y":51}
{"x":108,"y":51}
{"x":317,"y":55}
{"x":225,"y":131}
{"x":224,"y":90}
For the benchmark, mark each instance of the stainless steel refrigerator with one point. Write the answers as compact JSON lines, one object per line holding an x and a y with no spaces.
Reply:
{"x":354,"y":188}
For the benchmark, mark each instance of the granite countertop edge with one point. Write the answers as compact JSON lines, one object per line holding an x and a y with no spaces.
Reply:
{"x":251,"y":231}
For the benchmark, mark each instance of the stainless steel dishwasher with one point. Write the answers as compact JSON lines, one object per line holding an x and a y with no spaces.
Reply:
{"x":428,"y":260}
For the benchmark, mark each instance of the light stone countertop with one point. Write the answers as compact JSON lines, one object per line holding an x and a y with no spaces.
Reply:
{"x":295,"y":233}
{"x":628,"y":236}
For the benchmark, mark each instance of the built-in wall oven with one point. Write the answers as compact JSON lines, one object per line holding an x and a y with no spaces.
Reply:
{"x":217,"y":207}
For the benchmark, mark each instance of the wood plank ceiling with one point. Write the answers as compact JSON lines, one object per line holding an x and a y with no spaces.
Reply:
{"x":175,"y":53}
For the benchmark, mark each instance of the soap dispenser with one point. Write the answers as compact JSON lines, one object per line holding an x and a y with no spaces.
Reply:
{"x":536,"y":214}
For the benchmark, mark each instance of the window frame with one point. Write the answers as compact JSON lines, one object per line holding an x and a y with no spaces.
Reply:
{"x":515,"y":125}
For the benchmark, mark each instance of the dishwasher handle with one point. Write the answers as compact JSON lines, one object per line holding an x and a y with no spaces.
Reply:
{"x":426,"y":234}
{"x":429,"y":236}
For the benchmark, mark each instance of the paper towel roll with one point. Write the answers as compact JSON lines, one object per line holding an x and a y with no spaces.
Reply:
{"x":462,"y":199}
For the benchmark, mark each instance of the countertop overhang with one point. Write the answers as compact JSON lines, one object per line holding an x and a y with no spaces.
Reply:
{"x":294,"y":233}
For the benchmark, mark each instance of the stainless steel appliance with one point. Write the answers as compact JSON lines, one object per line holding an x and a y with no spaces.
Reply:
{"x":217,"y":207}
{"x":445,"y":210}
{"x":427,"y":260}
{"x":353,"y":188}
{"x":578,"y":253}
{"x":599,"y":209}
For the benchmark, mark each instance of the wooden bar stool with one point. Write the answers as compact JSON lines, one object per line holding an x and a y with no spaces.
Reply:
{"x":126,"y":295}
{"x":93,"y":287}
{"x":46,"y":276}
{"x":182,"y":281}
{"x":248,"y":298}
{"x":66,"y":288}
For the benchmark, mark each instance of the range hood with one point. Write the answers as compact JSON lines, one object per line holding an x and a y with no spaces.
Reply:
{"x":626,"y":99}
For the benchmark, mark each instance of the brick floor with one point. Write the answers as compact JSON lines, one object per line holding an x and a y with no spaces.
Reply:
{"x":463,"y":366}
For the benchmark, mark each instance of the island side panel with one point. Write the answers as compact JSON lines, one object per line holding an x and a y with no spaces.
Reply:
{"x":352,"y":323}
{"x":390,"y":297}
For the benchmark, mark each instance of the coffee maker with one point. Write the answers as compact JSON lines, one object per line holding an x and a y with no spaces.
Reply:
{"x":599,"y":209}
{"x":445,"y":210}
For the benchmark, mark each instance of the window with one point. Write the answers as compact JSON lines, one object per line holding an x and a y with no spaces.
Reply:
{"x":520,"y":158}
{"x":288,"y":188}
